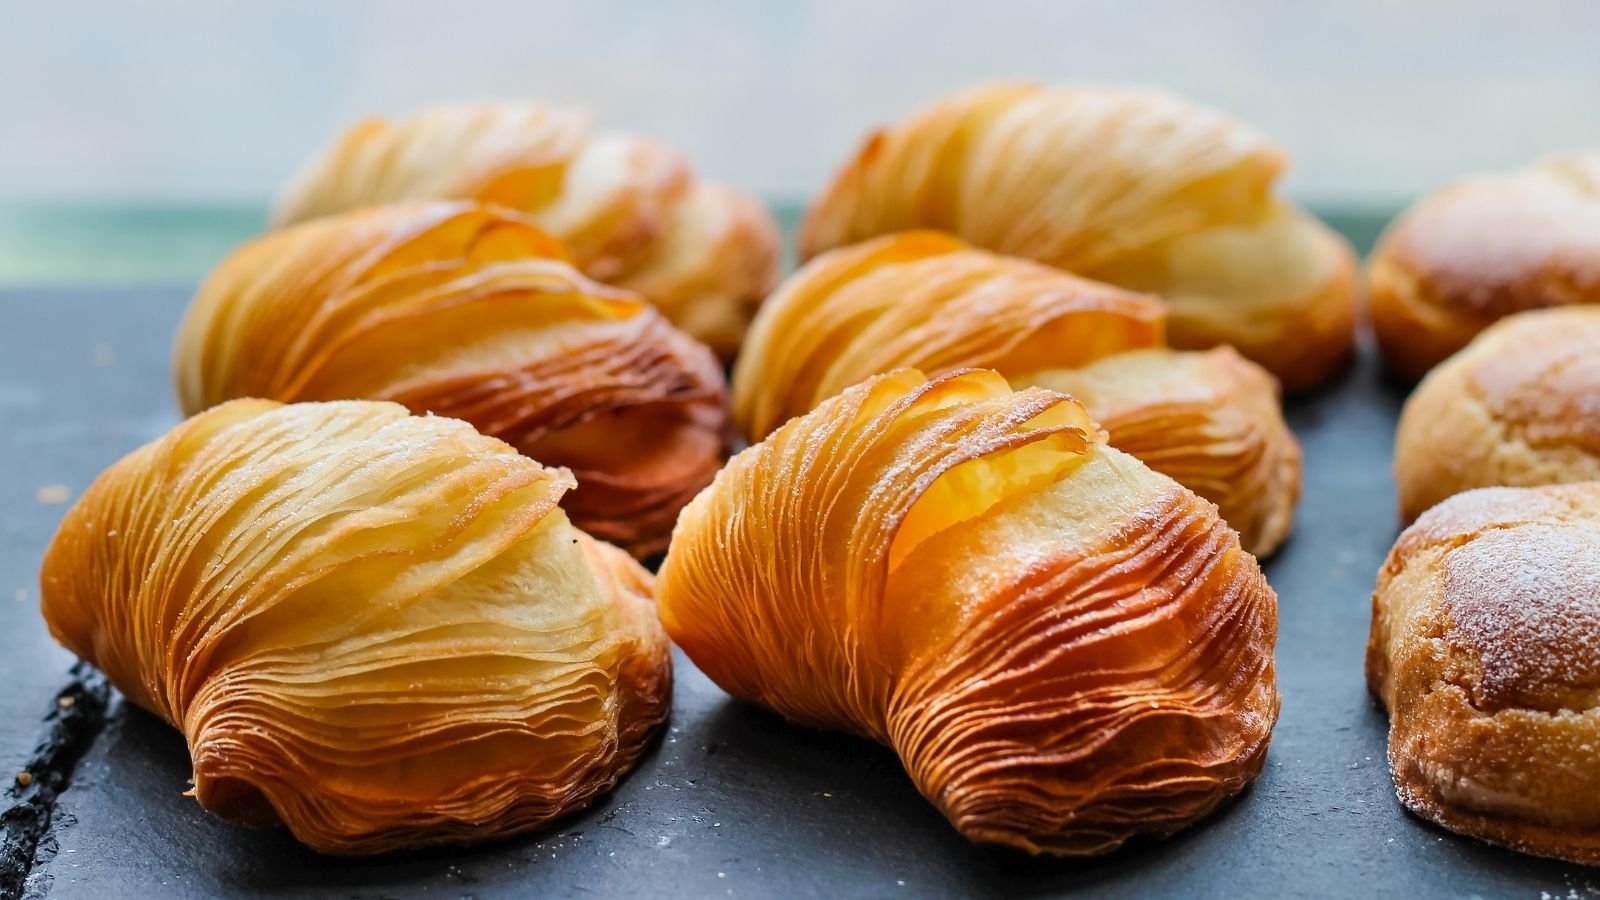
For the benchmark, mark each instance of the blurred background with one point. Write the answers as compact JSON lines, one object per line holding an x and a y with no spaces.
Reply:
{"x":138,"y":142}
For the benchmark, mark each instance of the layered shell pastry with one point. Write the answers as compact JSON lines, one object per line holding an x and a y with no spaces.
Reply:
{"x":376,"y":628}
{"x":1137,"y":188}
{"x":630,"y":208}
{"x":1065,"y":648}
{"x":926,"y":300}
{"x":470,"y":311}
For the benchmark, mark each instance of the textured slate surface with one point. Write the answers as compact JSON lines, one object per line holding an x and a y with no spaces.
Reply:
{"x":734,"y":802}
{"x":83,"y":380}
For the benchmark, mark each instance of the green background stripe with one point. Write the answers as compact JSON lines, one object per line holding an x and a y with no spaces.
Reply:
{"x":55,"y":244}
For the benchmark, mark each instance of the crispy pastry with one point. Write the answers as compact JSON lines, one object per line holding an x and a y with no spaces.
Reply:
{"x":630,"y":208}
{"x":1482,"y":249}
{"x":1137,"y":188}
{"x":1209,"y":420}
{"x":1485,"y":629}
{"x":374,"y":627}
{"x":928,"y":301}
{"x":1519,"y":407}
{"x":470,"y":312}
{"x":1065,"y":648}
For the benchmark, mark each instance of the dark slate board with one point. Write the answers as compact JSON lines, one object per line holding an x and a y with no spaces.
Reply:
{"x":80,"y":384}
{"x":734,"y":802}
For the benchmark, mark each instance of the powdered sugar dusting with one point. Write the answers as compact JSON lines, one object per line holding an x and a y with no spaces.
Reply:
{"x":1553,"y":395}
{"x":1527,"y":599}
{"x":1473,"y":511}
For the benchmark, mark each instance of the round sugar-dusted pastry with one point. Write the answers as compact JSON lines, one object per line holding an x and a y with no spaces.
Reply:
{"x":1477,"y":251}
{"x":1519,"y":407}
{"x":1485,"y":650}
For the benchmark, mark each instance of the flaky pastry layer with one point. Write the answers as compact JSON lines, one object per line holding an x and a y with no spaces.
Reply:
{"x":931,"y":302}
{"x":1209,"y":420}
{"x":376,"y":628}
{"x":471,"y":312}
{"x":1065,"y":648}
{"x":1138,"y":188}
{"x":629,"y":207}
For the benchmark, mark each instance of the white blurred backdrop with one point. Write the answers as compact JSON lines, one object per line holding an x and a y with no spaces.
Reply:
{"x":215,"y":100}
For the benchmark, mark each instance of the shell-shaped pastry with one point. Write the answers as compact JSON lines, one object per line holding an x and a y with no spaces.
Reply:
{"x":629,"y":207}
{"x":1520,"y":407}
{"x":928,"y":301}
{"x":1485,"y":625}
{"x":1209,"y":420}
{"x":470,"y":312}
{"x":374,"y":627}
{"x":1065,"y":648}
{"x":1134,"y":187}
{"x":1483,"y":249}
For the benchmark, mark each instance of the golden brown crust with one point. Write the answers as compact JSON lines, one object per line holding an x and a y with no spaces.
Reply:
{"x":374,"y":627}
{"x":1520,"y":406}
{"x":1071,"y":177}
{"x":1210,"y":421}
{"x":1485,"y":649}
{"x":469,"y":311}
{"x":1483,"y":249}
{"x":629,"y":208}
{"x":711,"y":267}
{"x":928,"y":301}
{"x":1136,"y":188}
{"x":1065,"y":648}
